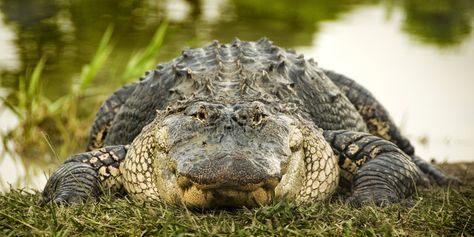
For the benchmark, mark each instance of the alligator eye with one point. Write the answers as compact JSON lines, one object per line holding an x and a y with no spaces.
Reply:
{"x":257,"y":119}
{"x":201,"y":116}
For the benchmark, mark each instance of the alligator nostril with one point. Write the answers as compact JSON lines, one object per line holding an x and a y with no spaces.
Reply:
{"x":221,"y":137}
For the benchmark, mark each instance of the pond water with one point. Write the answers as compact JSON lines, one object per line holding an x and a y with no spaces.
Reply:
{"x":416,"y":56}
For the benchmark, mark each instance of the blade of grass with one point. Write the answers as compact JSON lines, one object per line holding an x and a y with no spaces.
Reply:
{"x":33,"y":83}
{"x":12,"y":108}
{"x":144,"y":59}
{"x":20,"y":221}
{"x":54,"y":107}
{"x":32,"y":94}
{"x":90,"y":70}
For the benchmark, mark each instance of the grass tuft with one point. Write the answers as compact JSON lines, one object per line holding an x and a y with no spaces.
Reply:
{"x":20,"y":216}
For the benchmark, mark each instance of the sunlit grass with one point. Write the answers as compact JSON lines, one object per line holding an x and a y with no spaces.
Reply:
{"x":440,"y":212}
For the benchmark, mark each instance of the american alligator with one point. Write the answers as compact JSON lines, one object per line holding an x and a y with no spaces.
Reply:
{"x":242,"y":124}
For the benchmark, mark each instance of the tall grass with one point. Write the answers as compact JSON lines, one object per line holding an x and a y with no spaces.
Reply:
{"x":145,"y":59}
{"x":28,"y":94}
{"x":89,"y":71}
{"x":50,"y":128}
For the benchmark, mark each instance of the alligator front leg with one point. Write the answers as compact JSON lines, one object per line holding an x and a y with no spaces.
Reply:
{"x":377,"y":118}
{"x":380,"y":123}
{"x":85,"y":176}
{"x":377,"y":169}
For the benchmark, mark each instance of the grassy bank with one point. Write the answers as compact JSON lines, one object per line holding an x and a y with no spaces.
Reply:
{"x":437,"y":211}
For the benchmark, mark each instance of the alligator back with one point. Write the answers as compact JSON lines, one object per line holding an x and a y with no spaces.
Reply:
{"x":251,"y":70}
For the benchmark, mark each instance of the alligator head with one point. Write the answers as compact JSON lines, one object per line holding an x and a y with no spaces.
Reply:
{"x":225,"y":153}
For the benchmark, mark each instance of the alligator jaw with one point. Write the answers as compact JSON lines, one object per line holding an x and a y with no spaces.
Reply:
{"x":218,"y":195}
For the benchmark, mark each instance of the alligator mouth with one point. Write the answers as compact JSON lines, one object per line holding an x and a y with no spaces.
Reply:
{"x":226,"y":195}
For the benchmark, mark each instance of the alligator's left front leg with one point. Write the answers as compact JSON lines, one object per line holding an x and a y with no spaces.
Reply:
{"x":84,"y":176}
{"x":377,"y":169}
{"x":380,"y":123}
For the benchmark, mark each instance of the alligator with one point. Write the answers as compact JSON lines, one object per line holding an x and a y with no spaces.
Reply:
{"x":243,"y":124}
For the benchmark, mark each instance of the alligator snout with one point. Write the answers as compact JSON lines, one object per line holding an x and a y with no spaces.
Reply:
{"x":231,"y":172}
{"x":232,"y":181}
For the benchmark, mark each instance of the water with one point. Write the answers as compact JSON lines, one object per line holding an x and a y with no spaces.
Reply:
{"x":415,"y":56}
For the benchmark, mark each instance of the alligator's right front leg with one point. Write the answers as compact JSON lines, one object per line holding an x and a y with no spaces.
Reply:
{"x":84,"y":176}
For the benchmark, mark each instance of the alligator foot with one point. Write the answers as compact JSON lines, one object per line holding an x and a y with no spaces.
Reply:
{"x":389,"y":178}
{"x":84,"y":176}
{"x":73,"y":182}
{"x":377,"y":170}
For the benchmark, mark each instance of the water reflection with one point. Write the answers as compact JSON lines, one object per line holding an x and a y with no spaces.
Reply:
{"x":9,"y":56}
{"x":363,"y":38}
{"x":290,"y":23}
{"x":66,"y":32}
{"x":444,"y":23}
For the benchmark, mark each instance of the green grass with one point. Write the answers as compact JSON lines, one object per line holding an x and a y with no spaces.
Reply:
{"x":439,"y":212}
{"x":434,"y":212}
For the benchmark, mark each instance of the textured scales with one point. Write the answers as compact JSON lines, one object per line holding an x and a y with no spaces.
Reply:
{"x":257,"y":70}
{"x":241,"y":124}
{"x":250,"y":70}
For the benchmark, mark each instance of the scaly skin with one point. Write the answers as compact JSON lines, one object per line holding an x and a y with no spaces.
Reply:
{"x":105,"y":116}
{"x":381,"y":124}
{"x":240,"y":125}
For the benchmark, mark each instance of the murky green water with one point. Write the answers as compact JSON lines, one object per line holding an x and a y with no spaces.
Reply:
{"x":416,"y":56}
